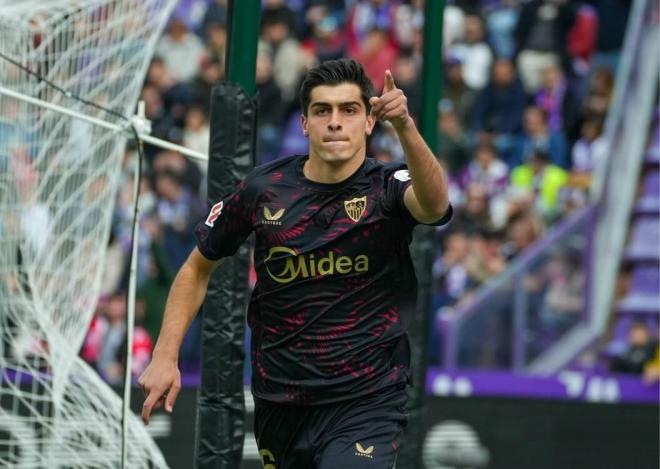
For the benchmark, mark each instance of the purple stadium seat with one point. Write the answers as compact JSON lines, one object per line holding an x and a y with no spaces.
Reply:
{"x":653,"y":154}
{"x":619,"y":338}
{"x":644,"y":244}
{"x":644,"y":295}
{"x":649,"y":202}
{"x":651,"y":186}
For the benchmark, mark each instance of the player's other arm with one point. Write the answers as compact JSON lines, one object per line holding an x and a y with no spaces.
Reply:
{"x":161,"y":381}
{"x":427,"y":198}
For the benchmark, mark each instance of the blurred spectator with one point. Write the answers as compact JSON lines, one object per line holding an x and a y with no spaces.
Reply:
{"x":159,"y":76}
{"x":581,"y":39}
{"x":187,"y":171}
{"x":115,"y":265}
{"x":540,"y":179}
{"x":216,"y":43}
{"x":33,"y":217}
{"x":271,"y":114}
{"x":196,"y":132}
{"x":501,"y":20}
{"x":456,"y":93}
{"x":564,"y":282}
{"x":499,"y":108}
{"x":104,"y":346}
{"x":316,"y":11}
{"x":280,"y":10}
{"x":326,"y":41}
{"x":162,"y":123}
{"x":179,"y":210}
{"x":541,"y":35}
{"x":123,"y":228}
{"x":554,"y":97}
{"x":487,"y":170}
{"x":192,"y":13}
{"x":453,"y":25}
{"x":474,"y":216}
{"x":289,"y":59}
{"x":181,"y":50}
{"x":589,"y":150}
{"x":587,"y":159}
{"x":523,"y":230}
{"x":409,"y":18}
{"x":642,"y":348}
{"x":538,"y":137}
{"x":452,"y":281}
{"x":474,"y":53}
{"x":153,"y":292}
{"x":599,"y":96}
{"x":612,"y":21}
{"x":211,"y":72}
{"x":453,"y":143}
{"x":385,"y":139}
{"x":197,"y":136}
{"x":376,"y":54}
{"x":485,"y":260}
{"x":363,"y":18}
{"x":176,"y":96}
{"x":216,"y":13}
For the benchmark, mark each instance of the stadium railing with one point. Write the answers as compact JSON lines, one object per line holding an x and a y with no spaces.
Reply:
{"x":510,"y":324}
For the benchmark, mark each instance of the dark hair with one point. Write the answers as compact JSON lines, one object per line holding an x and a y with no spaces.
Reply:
{"x":335,"y":72}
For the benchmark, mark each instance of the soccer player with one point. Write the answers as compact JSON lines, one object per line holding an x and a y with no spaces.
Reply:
{"x":335,"y":281}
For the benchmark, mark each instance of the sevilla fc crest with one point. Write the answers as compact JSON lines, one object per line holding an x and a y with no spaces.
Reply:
{"x":355,"y":207}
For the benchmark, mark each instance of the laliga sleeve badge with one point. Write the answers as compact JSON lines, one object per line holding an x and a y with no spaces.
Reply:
{"x":402,"y":175}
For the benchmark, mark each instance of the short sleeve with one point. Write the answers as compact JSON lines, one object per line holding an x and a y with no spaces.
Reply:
{"x":227,"y":223}
{"x":397,"y":180}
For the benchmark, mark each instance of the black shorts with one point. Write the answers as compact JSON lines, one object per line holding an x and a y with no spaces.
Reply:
{"x":359,"y":433}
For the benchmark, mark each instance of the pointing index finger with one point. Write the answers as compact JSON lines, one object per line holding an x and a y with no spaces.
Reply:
{"x":389,"y":81}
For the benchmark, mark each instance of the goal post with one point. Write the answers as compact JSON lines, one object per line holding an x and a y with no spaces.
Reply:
{"x":57,"y":174}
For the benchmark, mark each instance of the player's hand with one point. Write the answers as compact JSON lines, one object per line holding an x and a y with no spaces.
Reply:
{"x":392,"y":105}
{"x":160,"y":383}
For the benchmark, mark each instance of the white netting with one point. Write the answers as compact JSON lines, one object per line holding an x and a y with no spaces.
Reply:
{"x":58,"y":180}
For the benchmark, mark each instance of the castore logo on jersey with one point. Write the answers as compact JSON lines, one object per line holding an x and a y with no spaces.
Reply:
{"x":272,"y":218}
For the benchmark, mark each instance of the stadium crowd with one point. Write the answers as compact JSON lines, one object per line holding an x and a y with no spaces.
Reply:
{"x":527,"y":85}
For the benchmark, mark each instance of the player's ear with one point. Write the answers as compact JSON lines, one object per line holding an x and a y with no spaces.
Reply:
{"x":369,"y":125}
{"x":303,"y":123}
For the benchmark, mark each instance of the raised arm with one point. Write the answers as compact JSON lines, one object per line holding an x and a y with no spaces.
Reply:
{"x":427,"y":198}
{"x":161,"y":381}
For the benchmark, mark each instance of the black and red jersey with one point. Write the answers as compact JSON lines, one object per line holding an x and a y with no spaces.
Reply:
{"x":335,"y":281}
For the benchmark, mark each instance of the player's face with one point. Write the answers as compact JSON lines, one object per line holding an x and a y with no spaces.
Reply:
{"x":337,"y":123}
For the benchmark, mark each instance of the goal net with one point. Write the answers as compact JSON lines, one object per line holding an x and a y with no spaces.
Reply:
{"x":58,"y":180}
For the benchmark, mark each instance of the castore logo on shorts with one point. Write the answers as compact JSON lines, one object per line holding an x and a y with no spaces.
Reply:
{"x":365,"y":453}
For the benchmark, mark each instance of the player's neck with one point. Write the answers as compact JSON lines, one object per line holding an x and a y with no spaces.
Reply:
{"x":317,"y":170}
